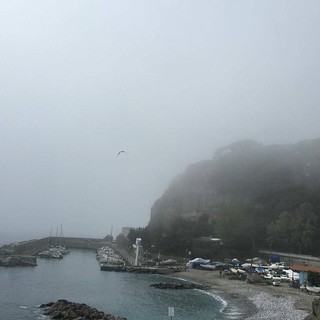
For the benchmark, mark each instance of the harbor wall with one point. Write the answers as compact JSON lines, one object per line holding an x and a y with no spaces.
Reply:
{"x":32,"y":247}
{"x":291,"y":258}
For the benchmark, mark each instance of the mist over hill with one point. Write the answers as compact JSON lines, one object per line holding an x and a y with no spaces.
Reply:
{"x":247,"y":194}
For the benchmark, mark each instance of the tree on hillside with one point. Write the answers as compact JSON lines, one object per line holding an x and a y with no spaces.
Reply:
{"x":235,"y":225}
{"x":295,"y":229}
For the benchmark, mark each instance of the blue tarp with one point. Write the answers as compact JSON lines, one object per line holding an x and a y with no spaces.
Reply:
{"x":274,"y":258}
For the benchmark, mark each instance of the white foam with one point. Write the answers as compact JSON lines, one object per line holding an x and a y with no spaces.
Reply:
{"x":223,"y":302}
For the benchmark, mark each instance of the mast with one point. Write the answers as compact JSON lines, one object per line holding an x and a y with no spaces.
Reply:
{"x":61,"y":235}
{"x":56,"y":237}
{"x":50,"y":237}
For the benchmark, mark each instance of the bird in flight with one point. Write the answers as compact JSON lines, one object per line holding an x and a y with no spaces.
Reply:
{"x":122,"y":151}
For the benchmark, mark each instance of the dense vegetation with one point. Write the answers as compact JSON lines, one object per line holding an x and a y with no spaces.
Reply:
{"x":249,"y":195}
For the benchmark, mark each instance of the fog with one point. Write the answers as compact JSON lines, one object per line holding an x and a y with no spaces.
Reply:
{"x":166,"y":81}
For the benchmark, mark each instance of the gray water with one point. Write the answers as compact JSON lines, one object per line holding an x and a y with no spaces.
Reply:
{"x":77,"y":278}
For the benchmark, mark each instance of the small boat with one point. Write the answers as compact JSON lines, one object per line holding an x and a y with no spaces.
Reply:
{"x":169,"y":262}
{"x":56,"y":255}
{"x":241,"y":271}
{"x":285,"y":278}
{"x":45,"y":254}
{"x":50,"y":254}
{"x":207,"y":267}
{"x":313,"y":289}
{"x":276,"y":283}
{"x":268,"y":276}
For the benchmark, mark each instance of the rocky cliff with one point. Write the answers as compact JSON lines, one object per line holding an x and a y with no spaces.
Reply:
{"x":266,"y":179}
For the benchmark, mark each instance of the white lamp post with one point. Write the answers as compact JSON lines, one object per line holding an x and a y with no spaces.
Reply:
{"x":138,"y":242}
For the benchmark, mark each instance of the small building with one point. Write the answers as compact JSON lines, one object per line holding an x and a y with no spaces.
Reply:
{"x":304,"y":271}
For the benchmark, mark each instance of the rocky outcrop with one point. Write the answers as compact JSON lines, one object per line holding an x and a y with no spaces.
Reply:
{"x":66,"y":310}
{"x":179,"y":286}
{"x":315,"y":310}
{"x":243,"y":181}
{"x":15,"y":260}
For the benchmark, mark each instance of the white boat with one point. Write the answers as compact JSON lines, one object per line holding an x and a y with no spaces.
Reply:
{"x":277,"y":265}
{"x":276,"y":283}
{"x":196,"y":261}
{"x":313,"y":289}
{"x":45,"y":254}
{"x":50,"y":254}
{"x":56,"y":255}
{"x":285,"y":278}
{"x":207,"y":267}
{"x":241,"y":271}
{"x":169,"y":262}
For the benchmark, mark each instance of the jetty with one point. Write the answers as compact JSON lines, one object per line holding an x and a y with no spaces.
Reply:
{"x":141,"y":269}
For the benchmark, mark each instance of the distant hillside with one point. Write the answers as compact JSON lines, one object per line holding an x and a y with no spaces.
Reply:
{"x":248,"y":193}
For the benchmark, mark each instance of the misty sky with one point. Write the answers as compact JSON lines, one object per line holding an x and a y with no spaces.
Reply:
{"x":169,"y":81}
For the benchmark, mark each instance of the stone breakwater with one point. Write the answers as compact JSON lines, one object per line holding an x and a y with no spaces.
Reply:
{"x":66,"y":310}
{"x":179,"y":286}
{"x":141,"y":269}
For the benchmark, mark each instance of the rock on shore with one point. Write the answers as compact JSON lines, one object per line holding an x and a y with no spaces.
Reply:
{"x":315,"y":310}
{"x":15,"y":260}
{"x":66,"y":310}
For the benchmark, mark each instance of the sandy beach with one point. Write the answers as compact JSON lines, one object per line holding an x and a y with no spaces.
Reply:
{"x":253,"y":301}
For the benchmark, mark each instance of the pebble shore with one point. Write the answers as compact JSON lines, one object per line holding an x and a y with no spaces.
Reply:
{"x":258,"y":302}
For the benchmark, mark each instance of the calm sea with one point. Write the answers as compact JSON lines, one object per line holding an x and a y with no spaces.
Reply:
{"x":77,"y":278}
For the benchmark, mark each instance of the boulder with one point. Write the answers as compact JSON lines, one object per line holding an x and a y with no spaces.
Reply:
{"x":315,"y":310}
{"x":66,"y":310}
{"x":16,"y":260}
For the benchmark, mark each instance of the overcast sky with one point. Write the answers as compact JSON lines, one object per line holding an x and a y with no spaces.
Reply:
{"x":169,"y":81}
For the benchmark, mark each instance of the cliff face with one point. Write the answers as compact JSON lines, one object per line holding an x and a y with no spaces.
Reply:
{"x":271,"y":178}
{"x":188,"y":196}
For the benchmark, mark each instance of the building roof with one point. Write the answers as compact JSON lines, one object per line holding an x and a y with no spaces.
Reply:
{"x":125,"y":231}
{"x":306,"y":268}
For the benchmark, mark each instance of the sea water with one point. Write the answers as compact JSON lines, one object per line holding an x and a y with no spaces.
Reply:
{"x":77,"y":277}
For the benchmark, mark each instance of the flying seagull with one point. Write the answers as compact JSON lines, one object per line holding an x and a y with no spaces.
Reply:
{"x":122,"y":151}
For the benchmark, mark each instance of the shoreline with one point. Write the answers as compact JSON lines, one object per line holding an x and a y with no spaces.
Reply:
{"x":253,"y":300}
